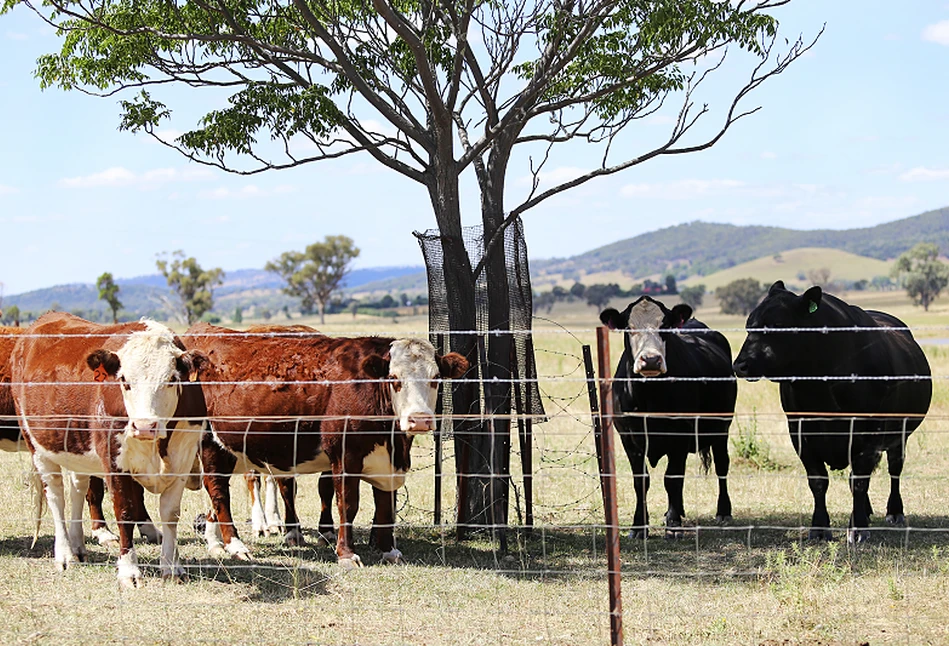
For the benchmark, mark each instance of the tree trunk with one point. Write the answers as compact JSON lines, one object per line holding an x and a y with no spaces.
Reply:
{"x":489,"y":459}
{"x":322,"y":312}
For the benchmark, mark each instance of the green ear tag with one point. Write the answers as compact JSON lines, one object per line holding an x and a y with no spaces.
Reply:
{"x":812,"y":307}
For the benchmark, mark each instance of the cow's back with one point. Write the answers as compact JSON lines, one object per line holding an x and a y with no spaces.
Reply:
{"x":268,"y":388}
{"x":49,"y":369}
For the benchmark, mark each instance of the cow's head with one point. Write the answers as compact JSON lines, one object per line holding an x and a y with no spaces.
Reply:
{"x":773,"y":354}
{"x":150,"y":367}
{"x":644,"y":320}
{"x":413,"y":370}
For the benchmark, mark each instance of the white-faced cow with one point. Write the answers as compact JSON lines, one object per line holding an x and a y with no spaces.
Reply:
{"x":848,"y":395}
{"x":673,"y":394}
{"x":96,"y":400}
{"x":286,"y":402}
{"x":12,"y":440}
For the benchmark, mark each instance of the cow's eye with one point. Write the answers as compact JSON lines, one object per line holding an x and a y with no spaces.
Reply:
{"x":125,"y":384}
{"x":434,"y":383}
{"x":396,"y":383}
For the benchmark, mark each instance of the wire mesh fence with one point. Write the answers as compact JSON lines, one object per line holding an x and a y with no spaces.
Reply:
{"x":754,"y":579}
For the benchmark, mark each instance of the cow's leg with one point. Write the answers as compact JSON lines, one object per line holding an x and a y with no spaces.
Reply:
{"x":860,"y":469}
{"x":637,"y":461}
{"x":894,"y":504}
{"x":169,"y":507}
{"x":382,"y":535}
{"x":78,"y":485}
{"x":95,"y":494}
{"x":146,"y":527}
{"x":723,"y":512}
{"x":124,"y":503}
{"x":220,"y":532}
{"x":52,"y":477}
{"x":326,"y":528}
{"x":257,"y":516}
{"x":674,"y":481}
{"x":288,"y":492}
{"x":347,"y":499}
{"x":818,"y":482}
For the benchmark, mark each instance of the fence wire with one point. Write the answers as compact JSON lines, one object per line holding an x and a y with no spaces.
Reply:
{"x":754,"y":579}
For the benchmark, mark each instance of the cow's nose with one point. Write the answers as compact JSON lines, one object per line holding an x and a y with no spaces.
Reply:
{"x":145,"y":428}
{"x":741,"y":368}
{"x":651,"y":363}
{"x":419,"y":423}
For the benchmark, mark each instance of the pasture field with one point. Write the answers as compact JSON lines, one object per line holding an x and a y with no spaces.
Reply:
{"x":755,"y":581}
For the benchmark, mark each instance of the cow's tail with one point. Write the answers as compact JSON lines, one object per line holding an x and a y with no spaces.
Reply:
{"x":706,"y":455}
{"x":39,"y":494}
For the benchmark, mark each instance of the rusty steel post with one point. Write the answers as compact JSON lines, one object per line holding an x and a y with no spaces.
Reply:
{"x":608,"y":485}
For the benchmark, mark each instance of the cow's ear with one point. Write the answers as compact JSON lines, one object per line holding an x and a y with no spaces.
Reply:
{"x":104,"y":364}
{"x":375,"y":366}
{"x":192,"y":364}
{"x":452,"y":365}
{"x":778,"y":286}
{"x":613,"y":319}
{"x":678,"y":315}
{"x":811,"y":298}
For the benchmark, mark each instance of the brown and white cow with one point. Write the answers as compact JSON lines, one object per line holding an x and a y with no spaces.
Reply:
{"x":12,"y":440}
{"x":289,"y":402}
{"x":98,"y":400}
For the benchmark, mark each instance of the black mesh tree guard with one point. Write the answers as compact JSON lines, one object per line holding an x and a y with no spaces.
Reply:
{"x":482,"y":442}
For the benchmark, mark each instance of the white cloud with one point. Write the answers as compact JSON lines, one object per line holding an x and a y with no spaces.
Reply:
{"x":769,"y":155}
{"x":937,"y":33}
{"x":923,"y":174}
{"x":554,"y":176}
{"x":661,"y":120}
{"x":118,"y":177}
{"x":682,"y":189}
{"x":15,"y":35}
{"x":7,"y":190}
{"x":245,"y":192}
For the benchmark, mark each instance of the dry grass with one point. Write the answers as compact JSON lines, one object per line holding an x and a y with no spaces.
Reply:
{"x":753,"y":582}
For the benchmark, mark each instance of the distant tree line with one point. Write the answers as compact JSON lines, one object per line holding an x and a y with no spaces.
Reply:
{"x":599,"y":294}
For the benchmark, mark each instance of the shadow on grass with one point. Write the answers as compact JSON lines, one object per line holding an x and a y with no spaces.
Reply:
{"x":709,"y":553}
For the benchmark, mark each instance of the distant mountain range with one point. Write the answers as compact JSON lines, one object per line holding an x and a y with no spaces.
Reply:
{"x":702,"y":248}
{"x":686,"y":250}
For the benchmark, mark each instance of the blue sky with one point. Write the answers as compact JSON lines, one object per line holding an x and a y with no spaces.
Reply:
{"x":854,"y":134}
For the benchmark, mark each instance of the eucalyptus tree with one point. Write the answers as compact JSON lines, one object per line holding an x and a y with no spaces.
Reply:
{"x":316,"y":274}
{"x":109,"y":292}
{"x":430,"y":90}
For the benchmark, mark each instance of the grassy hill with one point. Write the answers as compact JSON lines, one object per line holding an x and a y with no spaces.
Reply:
{"x":792,"y":267}
{"x":703,"y":248}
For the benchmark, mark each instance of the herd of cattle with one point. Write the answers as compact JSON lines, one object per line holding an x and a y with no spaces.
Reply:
{"x":135,"y":407}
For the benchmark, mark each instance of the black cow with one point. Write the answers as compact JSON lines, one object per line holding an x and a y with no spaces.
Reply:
{"x":837,"y":417}
{"x":658,"y":414}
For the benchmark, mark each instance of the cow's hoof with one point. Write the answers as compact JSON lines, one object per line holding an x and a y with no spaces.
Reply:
{"x":674,"y":533}
{"x":131,"y":582}
{"x":238,"y":550}
{"x":350,"y":563}
{"x":150,"y":533}
{"x":858,"y":536}
{"x":294,"y":538}
{"x":217,"y":551}
{"x":392,"y":557}
{"x":273,"y":530}
{"x":326,"y":538}
{"x":178,"y":575}
{"x":896,"y":520}
{"x":723,"y":519}
{"x":817,"y":534}
{"x":105,"y":538}
{"x":639,"y":534}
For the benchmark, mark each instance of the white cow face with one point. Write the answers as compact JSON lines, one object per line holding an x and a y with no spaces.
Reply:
{"x":646,"y":346}
{"x":413,"y":369}
{"x":150,"y":367}
{"x":643,"y":320}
